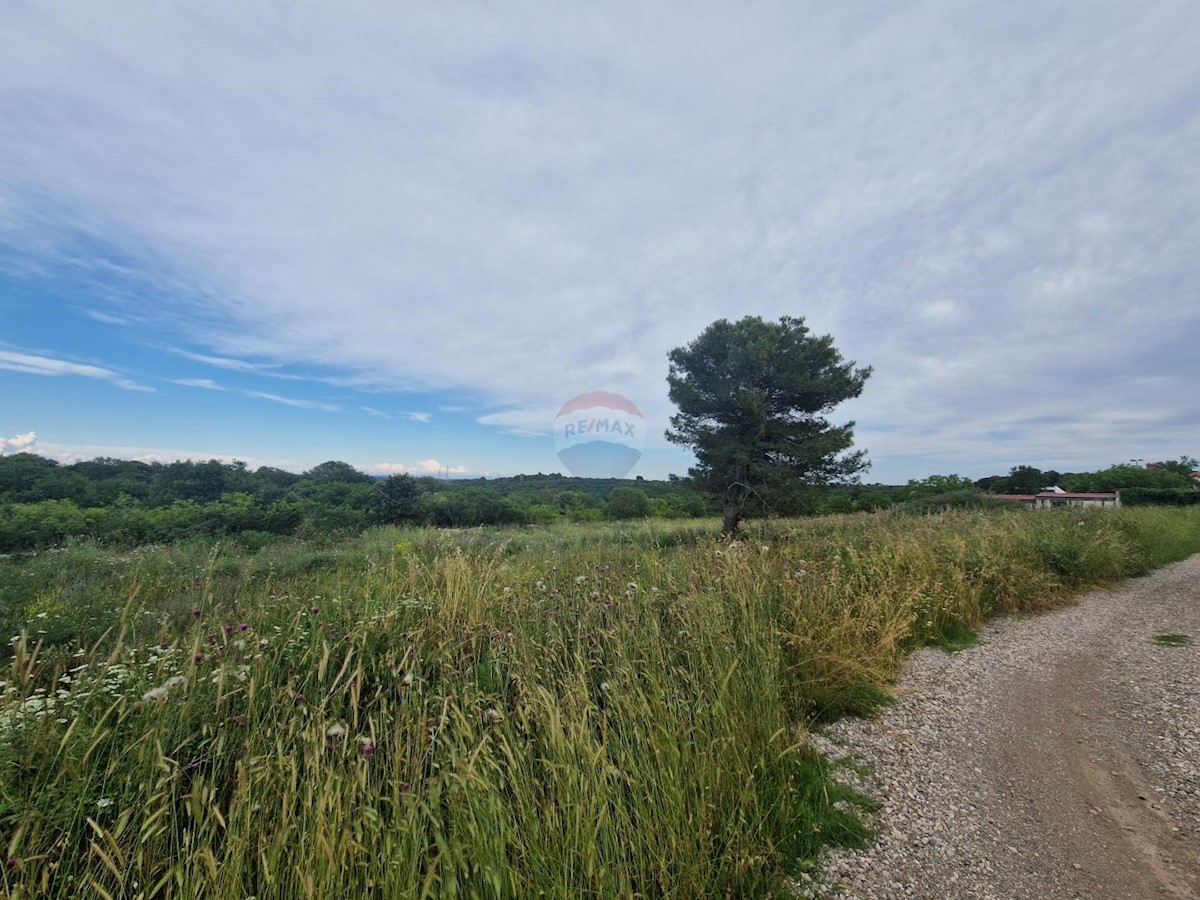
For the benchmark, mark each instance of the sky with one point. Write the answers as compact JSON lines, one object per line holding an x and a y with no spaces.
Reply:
{"x":404,"y":235}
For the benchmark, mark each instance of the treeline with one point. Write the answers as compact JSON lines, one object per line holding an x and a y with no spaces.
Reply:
{"x":1168,"y":475}
{"x":42,"y":503}
{"x":128,"y":502}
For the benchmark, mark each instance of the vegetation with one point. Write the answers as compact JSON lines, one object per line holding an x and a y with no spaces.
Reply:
{"x":126,"y":503}
{"x":1173,"y":640}
{"x":603,"y":709}
{"x":752,"y":398}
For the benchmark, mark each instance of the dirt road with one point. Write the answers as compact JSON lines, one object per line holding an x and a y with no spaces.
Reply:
{"x":1060,"y":758}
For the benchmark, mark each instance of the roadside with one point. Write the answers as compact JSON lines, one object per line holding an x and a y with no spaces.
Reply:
{"x":1059,"y":758}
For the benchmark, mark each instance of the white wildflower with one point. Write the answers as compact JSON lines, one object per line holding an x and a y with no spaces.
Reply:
{"x":407,"y":680}
{"x":580,"y":579}
{"x":158,"y":694}
{"x":337,"y":731}
{"x":104,"y":803}
{"x":493,"y":716}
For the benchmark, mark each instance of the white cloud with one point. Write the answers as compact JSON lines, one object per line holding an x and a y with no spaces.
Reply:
{"x":72,"y":453}
{"x":530,"y":421}
{"x":21,"y":443}
{"x":994,"y":204}
{"x":206,"y":383}
{"x":291,"y":401}
{"x":425,"y":467}
{"x":379,"y":414}
{"x":31,"y":364}
{"x":417,"y":416}
{"x":106,"y":318}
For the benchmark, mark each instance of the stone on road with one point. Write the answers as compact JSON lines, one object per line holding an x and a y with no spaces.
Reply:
{"x":1059,"y":758}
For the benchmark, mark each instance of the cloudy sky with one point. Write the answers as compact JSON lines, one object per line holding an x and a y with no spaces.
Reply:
{"x":403,"y":235}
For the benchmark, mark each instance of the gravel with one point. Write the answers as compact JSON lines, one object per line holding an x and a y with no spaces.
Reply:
{"x":1060,"y":758}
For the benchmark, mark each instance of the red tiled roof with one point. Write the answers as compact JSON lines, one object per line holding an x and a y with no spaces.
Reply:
{"x":1065,"y":495}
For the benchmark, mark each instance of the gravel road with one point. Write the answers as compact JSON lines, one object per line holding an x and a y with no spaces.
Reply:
{"x":1060,"y":758}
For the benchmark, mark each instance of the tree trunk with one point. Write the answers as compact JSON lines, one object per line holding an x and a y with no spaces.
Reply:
{"x":733,"y":515}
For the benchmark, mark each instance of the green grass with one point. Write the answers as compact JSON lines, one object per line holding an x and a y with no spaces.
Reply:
{"x":1173,"y":640}
{"x":581,"y":711}
{"x":954,"y":637}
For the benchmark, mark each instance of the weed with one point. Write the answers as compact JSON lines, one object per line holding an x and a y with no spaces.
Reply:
{"x":1172,"y":640}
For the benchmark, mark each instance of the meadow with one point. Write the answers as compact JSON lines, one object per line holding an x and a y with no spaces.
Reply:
{"x":576,"y":710}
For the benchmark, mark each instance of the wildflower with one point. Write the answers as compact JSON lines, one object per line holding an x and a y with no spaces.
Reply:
{"x":493,"y":716}
{"x":632,"y":586}
{"x":164,"y":646}
{"x":298,"y":699}
{"x":507,"y":591}
{"x":196,"y":612}
{"x":245,"y":626}
{"x":198,"y":658}
{"x":262,"y":644}
{"x":104,"y":803}
{"x":11,"y":862}
{"x":580,"y":579}
{"x":228,"y":629}
{"x":239,"y":646}
{"x":366,"y":747}
{"x":604,"y":687}
{"x":314,"y":609}
{"x":158,"y":694}
{"x":175,"y":681}
{"x":337,"y":731}
{"x":407,"y":680}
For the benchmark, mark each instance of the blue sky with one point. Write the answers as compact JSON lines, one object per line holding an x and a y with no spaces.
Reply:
{"x":403,"y":235}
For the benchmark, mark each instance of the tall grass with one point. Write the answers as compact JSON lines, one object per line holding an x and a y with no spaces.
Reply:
{"x":607,"y":710}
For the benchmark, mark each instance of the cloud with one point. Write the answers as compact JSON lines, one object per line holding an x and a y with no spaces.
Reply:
{"x":106,"y":318}
{"x":425,"y":467}
{"x":21,"y":443}
{"x":531,"y":421}
{"x":417,"y":416}
{"x":72,"y":453}
{"x":206,"y":383}
{"x":993,"y":204}
{"x":374,"y":412}
{"x":223,"y":362}
{"x":291,"y":401}
{"x":31,"y":364}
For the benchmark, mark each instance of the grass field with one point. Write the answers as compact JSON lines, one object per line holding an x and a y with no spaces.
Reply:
{"x":573,"y":711}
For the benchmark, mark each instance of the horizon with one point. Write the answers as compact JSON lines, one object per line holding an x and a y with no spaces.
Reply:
{"x":406,"y":238}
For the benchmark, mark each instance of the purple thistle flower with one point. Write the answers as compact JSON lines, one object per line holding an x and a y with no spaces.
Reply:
{"x":315,"y":609}
{"x":244,"y":626}
{"x":228,"y":629}
{"x":10,"y":863}
{"x":196,"y":612}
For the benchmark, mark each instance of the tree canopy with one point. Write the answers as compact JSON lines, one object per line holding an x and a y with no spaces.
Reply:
{"x":752,"y":398}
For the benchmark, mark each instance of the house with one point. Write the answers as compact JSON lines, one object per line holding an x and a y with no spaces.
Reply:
{"x":1054,"y":497}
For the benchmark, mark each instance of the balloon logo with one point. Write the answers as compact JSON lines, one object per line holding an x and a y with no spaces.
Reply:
{"x":599,"y":435}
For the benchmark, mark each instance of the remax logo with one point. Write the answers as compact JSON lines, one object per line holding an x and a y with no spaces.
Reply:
{"x":599,"y":435}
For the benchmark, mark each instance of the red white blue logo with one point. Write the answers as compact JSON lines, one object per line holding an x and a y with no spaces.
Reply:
{"x":599,"y":435}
